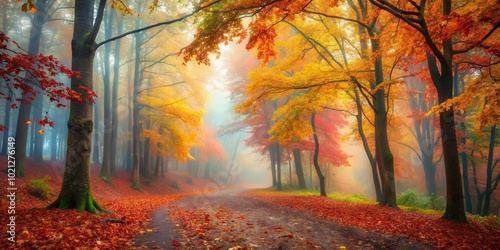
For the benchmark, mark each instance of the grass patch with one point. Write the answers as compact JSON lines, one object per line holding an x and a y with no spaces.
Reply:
{"x":40,"y":188}
{"x":354,"y":198}
{"x":491,"y":220}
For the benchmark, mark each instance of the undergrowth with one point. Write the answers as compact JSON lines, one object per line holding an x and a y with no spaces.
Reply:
{"x":40,"y":188}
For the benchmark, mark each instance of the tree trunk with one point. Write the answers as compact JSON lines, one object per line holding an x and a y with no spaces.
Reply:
{"x":455,"y":208}
{"x":114,"y":106}
{"x":316,"y":157}
{"x":96,"y":149}
{"x":135,"y":108}
{"x":157,"y":164}
{"x":38,"y":138}
{"x":298,"y":168}
{"x":489,"y":173}
{"x":37,"y":23}
{"x":385,"y":159}
{"x":290,"y":172}
{"x":279,"y":187}
{"x":272,"y":155}
{"x":106,"y":152}
{"x":429,"y":173}
{"x":366,"y":147}
{"x":75,"y":191}
{"x":146,"y":157}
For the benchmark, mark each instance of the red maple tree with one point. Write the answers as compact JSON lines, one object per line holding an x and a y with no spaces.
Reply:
{"x":41,"y":71}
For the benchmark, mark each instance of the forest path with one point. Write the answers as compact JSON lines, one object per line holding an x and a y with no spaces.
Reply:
{"x":229,"y":219}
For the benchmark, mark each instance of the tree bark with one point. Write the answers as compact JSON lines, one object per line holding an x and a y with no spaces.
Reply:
{"x":299,"y":169}
{"x":316,"y":157}
{"x":272,"y":156}
{"x":75,"y":191}
{"x":114,"y":106}
{"x":279,"y":187}
{"x":96,"y":149}
{"x":135,"y":108}
{"x":106,"y":152}
{"x":385,"y":159}
{"x":489,"y":173}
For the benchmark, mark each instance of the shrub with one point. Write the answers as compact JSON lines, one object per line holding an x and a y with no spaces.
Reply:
{"x":188,"y":180}
{"x":174,"y":185}
{"x":40,"y":188}
{"x":415,"y":202}
{"x":411,"y":199}
{"x":438,"y":203}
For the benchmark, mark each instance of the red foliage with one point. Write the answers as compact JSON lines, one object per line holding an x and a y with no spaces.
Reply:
{"x":40,"y":71}
{"x":211,"y":146}
{"x":428,"y":229}
{"x":67,"y":229}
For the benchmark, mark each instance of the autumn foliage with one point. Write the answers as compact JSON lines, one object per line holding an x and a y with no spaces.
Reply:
{"x":40,"y":71}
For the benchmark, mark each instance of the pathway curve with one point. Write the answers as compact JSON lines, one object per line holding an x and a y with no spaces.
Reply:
{"x":229,"y":220}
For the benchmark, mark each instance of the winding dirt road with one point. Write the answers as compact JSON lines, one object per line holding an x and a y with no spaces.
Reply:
{"x":229,"y":220}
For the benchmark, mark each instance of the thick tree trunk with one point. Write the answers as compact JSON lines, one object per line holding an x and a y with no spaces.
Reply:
{"x":316,"y":157}
{"x":458,"y":88}
{"x":75,"y":191}
{"x":299,"y":169}
{"x":455,"y":208}
{"x":385,"y":159}
{"x":37,"y":23}
{"x":429,"y":173}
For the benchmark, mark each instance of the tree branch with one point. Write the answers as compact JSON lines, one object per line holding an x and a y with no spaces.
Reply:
{"x":97,"y":24}
{"x":157,"y":24}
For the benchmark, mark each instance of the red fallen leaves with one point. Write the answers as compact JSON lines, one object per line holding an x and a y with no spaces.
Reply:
{"x":428,"y":229}
{"x":175,"y":243}
{"x":59,"y":229}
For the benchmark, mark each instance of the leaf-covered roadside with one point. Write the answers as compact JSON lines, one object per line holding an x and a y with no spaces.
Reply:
{"x":428,"y":229}
{"x":232,"y":221}
{"x":65,"y":229}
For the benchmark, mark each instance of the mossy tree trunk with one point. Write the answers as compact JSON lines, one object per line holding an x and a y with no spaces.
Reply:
{"x":75,"y":191}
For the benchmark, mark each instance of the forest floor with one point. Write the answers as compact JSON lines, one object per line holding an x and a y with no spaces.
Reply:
{"x":229,"y":220}
{"x":189,"y":215}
